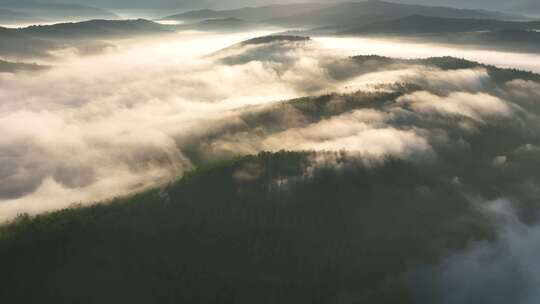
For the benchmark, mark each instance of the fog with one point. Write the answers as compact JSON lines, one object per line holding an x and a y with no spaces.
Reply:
{"x":21,"y":25}
{"x":96,"y":127}
{"x":402,"y":48}
{"x":503,"y":271}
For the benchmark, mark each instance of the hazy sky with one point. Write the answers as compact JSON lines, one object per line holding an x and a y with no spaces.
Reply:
{"x":484,"y":4}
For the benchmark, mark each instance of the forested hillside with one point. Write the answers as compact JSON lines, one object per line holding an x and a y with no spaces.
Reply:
{"x":255,"y":229}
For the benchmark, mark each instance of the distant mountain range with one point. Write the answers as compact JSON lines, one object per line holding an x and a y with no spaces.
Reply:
{"x":95,"y":35}
{"x":13,"y":12}
{"x":501,"y":5}
{"x":482,"y":33}
{"x":89,"y":36}
{"x":418,"y":24}
{"x":273,"y":39}
{"x":251,"y":13}
{"x":348,"y":13}
{"x":94,"y":29}
{"x":141,"y":4}
{"x":329,"y":13}
{"x":217,"y":25}
{"x":366,"y":12}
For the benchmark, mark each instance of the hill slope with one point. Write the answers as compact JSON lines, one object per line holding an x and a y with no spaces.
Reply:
{"x":264,"y":233}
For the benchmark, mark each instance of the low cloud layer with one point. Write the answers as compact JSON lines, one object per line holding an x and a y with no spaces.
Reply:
{"x":474,"y":106}
{"x":141,"y":114}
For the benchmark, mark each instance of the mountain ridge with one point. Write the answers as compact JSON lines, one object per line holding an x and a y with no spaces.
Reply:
{"x":430,"y":24}
{"x":57,"y":11}
{"x":336,"y":14}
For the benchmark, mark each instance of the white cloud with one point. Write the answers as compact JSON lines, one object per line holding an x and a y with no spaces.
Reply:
{"x":478,"y":106}
{"x":505,"y":270}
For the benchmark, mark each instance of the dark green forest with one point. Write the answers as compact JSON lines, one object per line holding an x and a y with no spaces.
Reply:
{"x":254,"y":229}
